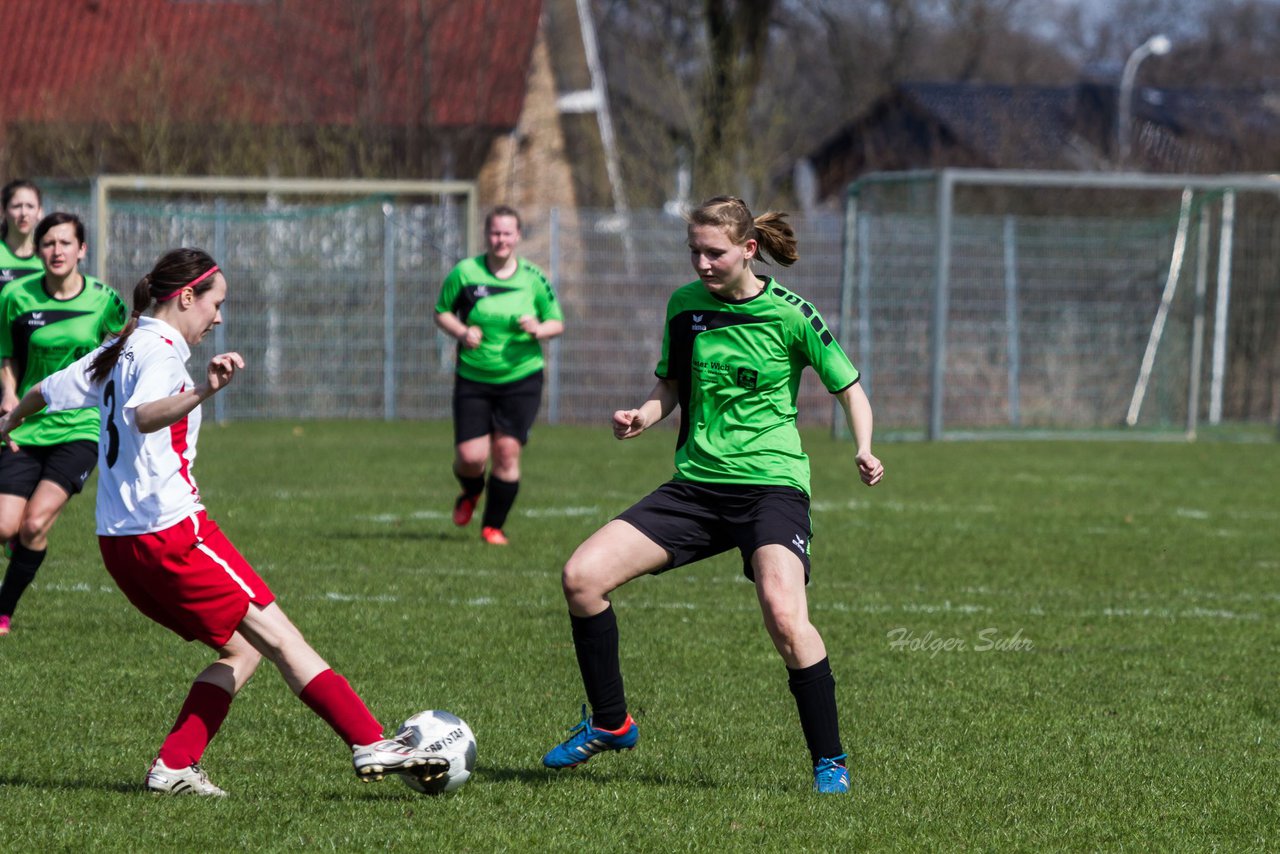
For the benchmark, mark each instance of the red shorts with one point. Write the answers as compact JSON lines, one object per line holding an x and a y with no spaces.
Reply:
{"x":188,"y":578}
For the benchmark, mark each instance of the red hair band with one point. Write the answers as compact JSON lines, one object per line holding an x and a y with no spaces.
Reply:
{"x":191,"y":284}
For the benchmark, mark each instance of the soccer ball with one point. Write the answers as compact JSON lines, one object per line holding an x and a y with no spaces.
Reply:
{"x":446,"y":734}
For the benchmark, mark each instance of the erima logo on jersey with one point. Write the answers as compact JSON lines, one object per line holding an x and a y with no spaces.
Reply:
{"x":482,"y":291}
{"x":697,"y":324}
{"x":798,"y":542}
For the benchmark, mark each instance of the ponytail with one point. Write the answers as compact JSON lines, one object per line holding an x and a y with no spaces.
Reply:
{"x":105,"y":361}
{"x":770,"y":230}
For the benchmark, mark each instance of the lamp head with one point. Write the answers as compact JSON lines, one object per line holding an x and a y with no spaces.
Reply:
{"x":1159,"y":45}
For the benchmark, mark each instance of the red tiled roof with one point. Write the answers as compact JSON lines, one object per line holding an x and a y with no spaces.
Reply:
{"x":322,"y":62}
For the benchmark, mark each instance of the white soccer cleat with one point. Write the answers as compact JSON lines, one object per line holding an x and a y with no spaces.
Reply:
{"x":391,"y":756}
{"x":191,"y":780}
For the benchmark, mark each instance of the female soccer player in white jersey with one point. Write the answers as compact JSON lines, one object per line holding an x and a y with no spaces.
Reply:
{"x":173,"y":562}
{"x":734,"y":347}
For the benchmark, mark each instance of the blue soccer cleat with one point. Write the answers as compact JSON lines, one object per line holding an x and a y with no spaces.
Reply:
{"x":830,"y":776}
{"x":586,"y":741}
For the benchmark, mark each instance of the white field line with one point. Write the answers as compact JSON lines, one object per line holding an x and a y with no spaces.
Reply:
{"x":1162,"y":612}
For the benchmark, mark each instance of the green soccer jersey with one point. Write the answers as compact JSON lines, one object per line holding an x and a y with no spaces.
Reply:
{"x":42,"y":335}
{"x":737,"y":367}
{"x":12,"y":267}
{"x":506,"y":353}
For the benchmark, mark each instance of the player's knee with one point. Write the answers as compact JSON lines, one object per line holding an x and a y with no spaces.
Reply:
{"x":579,"y":579}
{"x":35,"y":527}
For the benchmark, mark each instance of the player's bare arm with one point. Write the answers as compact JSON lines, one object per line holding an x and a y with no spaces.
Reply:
{"x":159,"y":414}
{"x":857,"y":413}
{"x":468,"y":336}
{"x":629,"y":423}
{"x":8,"y":386}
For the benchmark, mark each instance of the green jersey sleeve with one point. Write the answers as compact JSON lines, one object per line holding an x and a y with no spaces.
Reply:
{"x":819,"y":347}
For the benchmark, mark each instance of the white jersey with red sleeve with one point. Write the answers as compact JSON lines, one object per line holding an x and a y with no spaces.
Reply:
{"x":145,"y":483}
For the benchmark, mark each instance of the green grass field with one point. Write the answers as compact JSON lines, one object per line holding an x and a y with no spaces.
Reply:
{"x":1037,"y":645}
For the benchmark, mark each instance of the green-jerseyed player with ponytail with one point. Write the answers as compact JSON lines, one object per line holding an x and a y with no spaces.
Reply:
{"x":734,"y":348}
{"x":47,"y":321}
{"x":500,"y":308}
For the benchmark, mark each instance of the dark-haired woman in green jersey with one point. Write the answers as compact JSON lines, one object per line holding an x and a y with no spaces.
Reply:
{"x":47,"y":321}
{"x":734,"y":348}
{"x":22,"y":211}
{"x":500,"y":308}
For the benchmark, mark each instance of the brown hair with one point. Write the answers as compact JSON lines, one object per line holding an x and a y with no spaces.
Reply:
{"x":175,"y":270}
{"x":55,"y":219}
{"x":770,"y":230}
{"x":501,"y":210}
{"x":6,"y":196}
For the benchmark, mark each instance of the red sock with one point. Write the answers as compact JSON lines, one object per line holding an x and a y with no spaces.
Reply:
{"x":202,"y":714}
{"x":331,"y":697}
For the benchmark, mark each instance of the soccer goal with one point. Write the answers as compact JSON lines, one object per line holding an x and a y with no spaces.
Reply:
{"x":993,"y":303}
{"x":332,"y":282}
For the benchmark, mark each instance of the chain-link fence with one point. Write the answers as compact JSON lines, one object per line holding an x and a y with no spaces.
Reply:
{"x":986,"y":301}
{"x":1012,"y":305}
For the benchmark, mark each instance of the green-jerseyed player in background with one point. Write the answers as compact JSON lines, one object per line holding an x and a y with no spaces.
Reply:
{"x":500,"y":308}
{"x":47,"y":321}
{"x":732,"y":354}
{"x":22,"y":212}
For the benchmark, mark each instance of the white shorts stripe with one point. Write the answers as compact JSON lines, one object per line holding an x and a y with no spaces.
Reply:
{"x":231,"y":572}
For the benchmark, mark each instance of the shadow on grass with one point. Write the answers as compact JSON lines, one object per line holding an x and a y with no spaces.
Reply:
{"x":550,"y":777}
{"x":128,"y":788}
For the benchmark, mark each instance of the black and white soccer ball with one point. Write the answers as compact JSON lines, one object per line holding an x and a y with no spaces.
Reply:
{"x":441,"y":732}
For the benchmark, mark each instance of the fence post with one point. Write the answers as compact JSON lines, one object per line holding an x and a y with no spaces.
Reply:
{"x":1220,"y":305}
{"x":1013,"y":346}
{"x":1197,"y":325}
{"x":553,"y":357}
{"x":219,"y":331}
{"x":852,"y":246}
{"x":388,"y":312}
{"x":941,"y":292}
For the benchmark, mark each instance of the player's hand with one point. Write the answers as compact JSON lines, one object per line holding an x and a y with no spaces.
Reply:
{"x":8,"y":403}
{"x":869,"y":468}
{"x":222,"y":368}
{"x":529,"y":324}
{"x":628,"y":423}
{"x":472,"y":338}
{"x":6,"y":427}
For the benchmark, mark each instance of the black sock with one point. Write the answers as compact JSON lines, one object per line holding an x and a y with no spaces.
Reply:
{"x":471,"y":486}
{"x":497,"y":504}
{"x":595,"y":640}
{"x":815,"y":691}
{"x":22,"y":569}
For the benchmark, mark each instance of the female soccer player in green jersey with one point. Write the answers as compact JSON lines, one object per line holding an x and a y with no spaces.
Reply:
{"x":21,"y":202}
{"x":732,"y":355}
{"x":47,"y":321}
{"x":500,"y":308}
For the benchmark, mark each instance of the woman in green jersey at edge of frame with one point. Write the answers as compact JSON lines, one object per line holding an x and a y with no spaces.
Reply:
{"x":47,"y":321}
{"x":734,"y":347}
{"x":500,"y":308}
{"x":22,"y":212}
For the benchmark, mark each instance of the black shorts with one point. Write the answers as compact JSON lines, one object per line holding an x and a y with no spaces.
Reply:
{"x":68,"y":464}
{"x":693,"y":521}
{"x":483,"y":408}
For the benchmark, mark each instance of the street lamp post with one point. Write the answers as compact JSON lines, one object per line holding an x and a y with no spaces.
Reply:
{"x":1158,"y":45}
